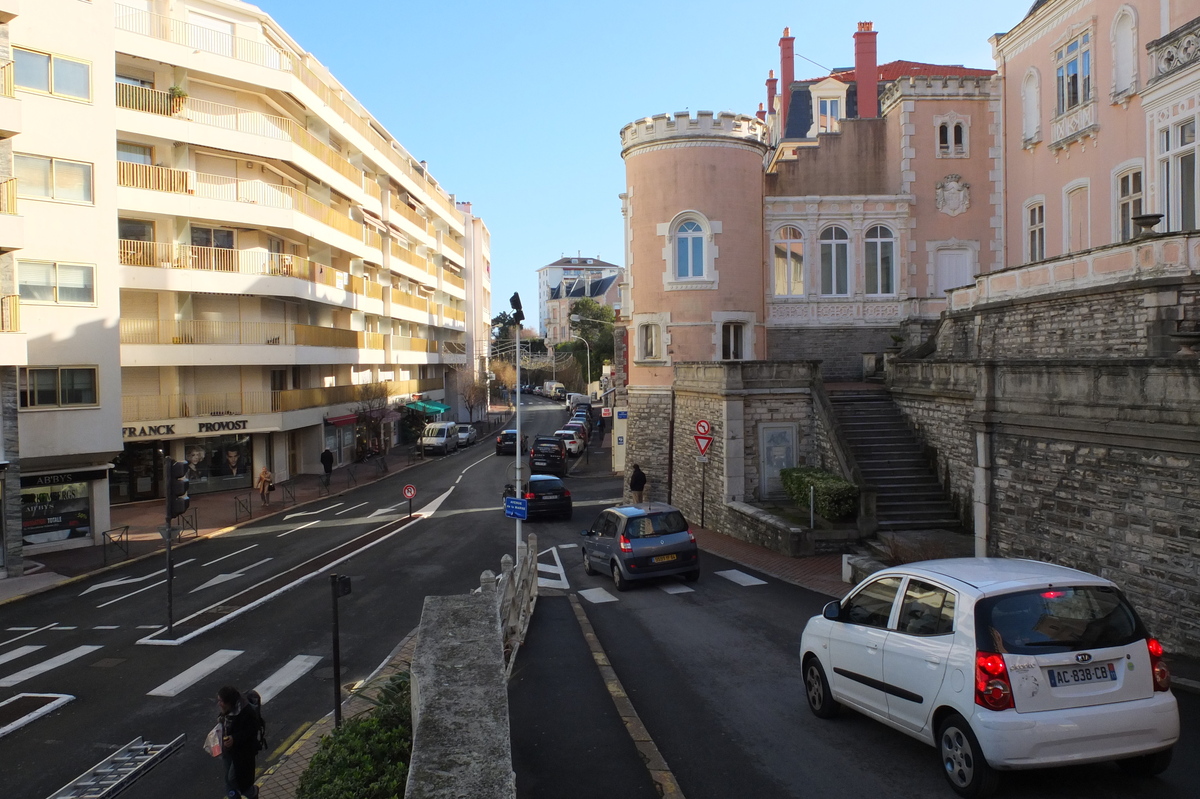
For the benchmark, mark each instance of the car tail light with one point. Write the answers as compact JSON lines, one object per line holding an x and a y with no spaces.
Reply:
{"x":499,"y":440}
{"x":691,"y":535}
{"x":625,"y":545}
{"x":530,"y":495}
{"x":566,"y":493}
{"x":992,"y":688}
{"x":1158,"y":669}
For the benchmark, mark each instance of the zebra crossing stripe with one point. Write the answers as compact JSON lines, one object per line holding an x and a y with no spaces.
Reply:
{"x":195,"y":674}
{"x":739,"y":577}
{"x":597,"y":596}
{"x":47,"y":665}
{"x":295,"y":668}
{"x":18,"y":652}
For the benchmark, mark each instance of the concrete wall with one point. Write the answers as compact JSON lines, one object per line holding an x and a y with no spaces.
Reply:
{"x":851,"y":162}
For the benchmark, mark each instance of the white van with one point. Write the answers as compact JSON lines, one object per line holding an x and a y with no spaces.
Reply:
{"x":440,"y":437}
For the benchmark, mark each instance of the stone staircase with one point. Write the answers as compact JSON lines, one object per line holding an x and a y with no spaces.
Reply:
{"x":890,"y":457}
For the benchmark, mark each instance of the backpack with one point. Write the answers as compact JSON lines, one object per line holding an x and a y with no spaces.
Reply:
{"x":260,"y":733}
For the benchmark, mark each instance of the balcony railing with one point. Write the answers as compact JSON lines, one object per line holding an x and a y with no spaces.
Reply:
{"x":138,"y":408}
{"x":8,"y":196}
{"x":372,"y":238}
{"x":266,"y":55}
{"x":410,"y":257}
{"x":10,"y":313}
{"x":412,"y":344}
{"x":373,"y":290}
{"x":7,"y":84}
{"x":453,"y":279}
{"x":200,"y":332}
{"x":218,"y":187}
{"x":412,"y":216}
{"x":454,"y":247}
{"x":165,"y":255}
{"x":411,"y":301}
{"x":1174,"y":52}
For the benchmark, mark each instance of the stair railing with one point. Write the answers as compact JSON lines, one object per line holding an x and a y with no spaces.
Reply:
{"x":868,"y":521}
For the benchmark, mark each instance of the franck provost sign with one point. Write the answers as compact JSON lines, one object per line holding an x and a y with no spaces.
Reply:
{"x":189,"y":428}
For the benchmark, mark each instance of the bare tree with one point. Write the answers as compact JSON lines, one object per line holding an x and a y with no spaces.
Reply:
{"x":474,"y":394}
{"x":370,"y":404}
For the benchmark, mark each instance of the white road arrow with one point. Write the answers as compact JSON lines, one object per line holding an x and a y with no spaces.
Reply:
{"x":224,"y":578}
{"x":312,"y":512}
{"x":131,"y":580}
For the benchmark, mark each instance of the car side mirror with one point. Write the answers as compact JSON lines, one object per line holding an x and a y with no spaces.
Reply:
{"x":832,"y":611}
{"x":585,"y":532}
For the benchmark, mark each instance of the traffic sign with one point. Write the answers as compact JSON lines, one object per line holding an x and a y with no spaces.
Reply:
{"x":703,"y":443}
{"x":410,"y":491}
{"x":606,"y":411}
{"x":516,"y":508}
{"x":622,"y":414}
{"x":703,"y":428}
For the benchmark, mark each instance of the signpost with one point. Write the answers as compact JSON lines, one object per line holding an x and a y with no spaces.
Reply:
{"x":410,"y":491}
{"x":339,"y":585}
{"x":703,"y":442}
{"x":516,"y":508}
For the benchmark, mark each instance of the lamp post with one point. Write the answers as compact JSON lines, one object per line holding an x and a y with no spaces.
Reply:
{"x":518,"y":317}
{"x":589,"y":360}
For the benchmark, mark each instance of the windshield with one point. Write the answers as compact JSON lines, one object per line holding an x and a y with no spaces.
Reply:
{"x":1054,"y":619}
{"x":434,"y":431}
{"x":656,"y":524}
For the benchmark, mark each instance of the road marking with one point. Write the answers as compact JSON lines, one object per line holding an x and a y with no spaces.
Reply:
{"x":32,"y":631}
{"x":597,"y":596}
{"x":293,"y":670}
{"x":459,"y":480}
{"x":476,"y":463}
{"x":195,"y":674}
{"x":567,"y":546}
{"x":560,"y":579}
{"x":347,"y":510}
{"x":132,"y":580}
{"x":230,"y":555}
{"x":49,"y":703}
{"x":133,"y":593}
{"x":741,"y":578}
{"x":226,"y":577}
{"x":432,"y":507}
{"x":106,"y":627}
{"x":47,"y":665}
{"x":18,"y":629}
{"x":19,"y":651}
{"x":313,"y":512}
{"x":148,"y":626}
{"x":676,"y":588}
{"x":64,"y":628}
{"x":301,"y":527}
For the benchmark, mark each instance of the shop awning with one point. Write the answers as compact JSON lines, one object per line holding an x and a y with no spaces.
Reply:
{"x":338,"y":421}
{"x":427,"y":406}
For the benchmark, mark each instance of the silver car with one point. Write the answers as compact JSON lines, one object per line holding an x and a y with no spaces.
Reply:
{"x":638,"y":542}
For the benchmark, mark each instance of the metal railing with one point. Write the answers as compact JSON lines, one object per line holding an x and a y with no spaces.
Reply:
{"x":201,"y":332}
{"x":8,"y":196}
{"x":7,"y":84}
{"x":453,"y":279}
{"x":10,"y":313}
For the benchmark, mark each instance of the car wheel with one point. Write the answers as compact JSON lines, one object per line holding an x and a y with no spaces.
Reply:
{"x":1147,"y":765}
{"x":963,"y":763}
{"x":816,"y":689}
{"x":587,"y":564}
{"x":619,"y":580}
{"x":570,"y":512}
{"x":692,"y":576}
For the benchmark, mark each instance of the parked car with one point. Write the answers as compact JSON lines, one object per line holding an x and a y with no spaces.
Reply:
{"x":572,"y":439}
{"x":506,"y":443}
{"x":999,"y":664}
{"x":548,"y":454}
{"x":546,"y":495}
{"x":440,"y":437}
{"x":639,"y":542}
{"x":581,"y":428}
{"x":537,"y":390}
{"x":584,"y":419}
{"x":467,"y":434}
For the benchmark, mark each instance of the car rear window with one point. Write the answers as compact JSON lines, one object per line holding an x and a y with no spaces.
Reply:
{"x":1058,"y":619}
{"x":547,"y":446}
{"x":553,"y":484}
{"x":656,"y":524}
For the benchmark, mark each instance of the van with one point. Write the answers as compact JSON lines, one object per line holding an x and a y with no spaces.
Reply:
{"x":576,"y":400}
{"x":440,"y":437}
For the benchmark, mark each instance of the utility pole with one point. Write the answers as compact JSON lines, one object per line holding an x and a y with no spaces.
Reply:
{"x":518,"y":318}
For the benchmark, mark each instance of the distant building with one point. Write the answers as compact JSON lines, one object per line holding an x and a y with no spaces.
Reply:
{"x":567,"y":280}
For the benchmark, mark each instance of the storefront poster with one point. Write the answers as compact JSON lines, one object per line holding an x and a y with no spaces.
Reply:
{"x":55,"y":513}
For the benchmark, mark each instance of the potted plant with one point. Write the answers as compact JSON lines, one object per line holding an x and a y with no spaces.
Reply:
{"x":177,"y":94}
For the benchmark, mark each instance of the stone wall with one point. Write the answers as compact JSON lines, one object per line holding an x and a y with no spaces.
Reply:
{"x":647,"y":434}
{"x":839,"y":349}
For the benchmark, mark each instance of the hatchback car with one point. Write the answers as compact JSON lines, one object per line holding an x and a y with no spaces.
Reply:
{"x":548,"y":454}
{"x":1000,"y":664}
{"x":572,"y":439}
{"x":638,"y":542}
{"x":467,"y":434}
{"x":580,"y":428}
{"x":506,"y":443}
{"x":546,"y":495}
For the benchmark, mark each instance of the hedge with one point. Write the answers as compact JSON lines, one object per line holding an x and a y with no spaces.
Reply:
{"x":834,"y":497}
{"x":368,"y":756}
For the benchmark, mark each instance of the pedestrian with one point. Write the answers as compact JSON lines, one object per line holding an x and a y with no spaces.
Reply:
{"x":327,"y":462}
{"x":264,"y":485}
{"x":239,"y":742}
{"x":637,"y":485}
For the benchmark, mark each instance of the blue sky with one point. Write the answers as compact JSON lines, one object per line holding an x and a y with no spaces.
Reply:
{"x":518,"y":106}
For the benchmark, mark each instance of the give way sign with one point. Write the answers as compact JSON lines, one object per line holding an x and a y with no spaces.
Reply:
{"x":703,"y":443}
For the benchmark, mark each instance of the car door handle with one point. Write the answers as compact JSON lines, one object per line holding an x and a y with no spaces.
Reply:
{"x":933,"y":661}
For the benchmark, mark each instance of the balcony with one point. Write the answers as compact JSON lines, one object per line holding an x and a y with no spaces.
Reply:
{"x":13,"y":350}
{"x":454,"y":280}
{"x":205,"y":333}
{"x":217,"y":187}
{"x":12,"y":227}
{"x":7,"y":85}
{"x":1175,"y":52}
{"x":1073,"y":125}
{"x":10,"y":106}
{"x":184,"y":406}
{"x":421,"y":223}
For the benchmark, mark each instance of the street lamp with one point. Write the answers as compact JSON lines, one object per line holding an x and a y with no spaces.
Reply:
{"x":589,"y":359}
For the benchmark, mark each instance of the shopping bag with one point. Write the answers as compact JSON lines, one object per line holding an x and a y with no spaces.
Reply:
{"x":212,"y":744}
{"x":271,"y":487}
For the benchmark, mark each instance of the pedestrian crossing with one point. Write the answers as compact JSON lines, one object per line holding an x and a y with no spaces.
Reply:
{"x":599,"y":596}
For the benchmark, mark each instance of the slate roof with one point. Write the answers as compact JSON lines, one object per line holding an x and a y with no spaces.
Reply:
{"x":580,"y":288}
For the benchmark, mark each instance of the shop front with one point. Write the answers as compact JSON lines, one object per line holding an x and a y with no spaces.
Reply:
{"x":57,"y":509}
{"x":220,"y":454}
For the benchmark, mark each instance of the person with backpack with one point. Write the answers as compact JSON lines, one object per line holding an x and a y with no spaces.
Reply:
{"x":242,"y":736}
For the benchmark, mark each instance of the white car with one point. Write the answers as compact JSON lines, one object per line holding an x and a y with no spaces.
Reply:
{"x":1000,"y":664}
{"x":572,"y":439}
{"x":467,"y":434}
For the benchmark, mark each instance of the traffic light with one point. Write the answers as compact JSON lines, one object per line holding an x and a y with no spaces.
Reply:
{"x":177,"y":490}
{"x":518,"y":315}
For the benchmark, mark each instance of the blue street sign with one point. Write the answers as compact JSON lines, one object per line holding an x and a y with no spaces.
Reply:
{"x":516,"y":508}
{"x":622,"y":414}
{"x":620,"y":441}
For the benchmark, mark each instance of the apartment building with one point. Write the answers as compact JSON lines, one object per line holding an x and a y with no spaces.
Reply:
{"x":217,"y":248}
{"x":568,"y":279}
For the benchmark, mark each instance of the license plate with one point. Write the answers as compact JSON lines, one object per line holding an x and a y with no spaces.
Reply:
{"x":1077,"y":675}
{"x":539,"y":463}
{"x":549,"y":496}
{"x":663,"y":558}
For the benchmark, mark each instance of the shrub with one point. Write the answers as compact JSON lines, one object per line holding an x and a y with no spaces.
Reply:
{"x":834,"y":497}
{"x":368,"y":756}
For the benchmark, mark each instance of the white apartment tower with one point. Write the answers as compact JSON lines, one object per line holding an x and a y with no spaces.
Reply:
{"x":214,"y":247}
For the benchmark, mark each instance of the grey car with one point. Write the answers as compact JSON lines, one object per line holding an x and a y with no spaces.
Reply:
{"x":638,"y":542}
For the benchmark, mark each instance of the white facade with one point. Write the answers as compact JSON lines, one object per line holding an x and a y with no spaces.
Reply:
{"x":552,"y":321}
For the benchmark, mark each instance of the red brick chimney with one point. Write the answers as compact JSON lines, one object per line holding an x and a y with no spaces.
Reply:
{"x":866,"y":71}
{"x":761,"y":113}
{"x":772,"y":84}
{"x":787,"y":73}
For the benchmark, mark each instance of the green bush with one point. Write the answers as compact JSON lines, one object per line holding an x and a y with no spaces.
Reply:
{"x":368,"y":756}
{"x":834,"y":497}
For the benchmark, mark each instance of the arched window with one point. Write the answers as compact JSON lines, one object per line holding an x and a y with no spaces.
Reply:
{"x":789,"y":262}
{"x":1031,"y":122}
{"x":881,"y":261}
{"x":689,"y":250}
{"x":1124,"y":44}
{"x":835,"y":261}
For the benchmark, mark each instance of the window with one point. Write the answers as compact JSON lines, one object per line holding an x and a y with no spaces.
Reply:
{"x":927,"y":610}
{"x":47,"y":281}
{"x":952,"y":139}
{"x":872,"y":606}
{"x":1078,"y":232}
{"x":733,"y":338}
{"x":1124,"y":51}
{"x":789,"y":262}
{"x":881,"y":262}
{"x":212,"y":237}
{"x":1035,"y":233}
{"x":131,"y":80}
{"x":828,"y":114}
{"x":53,"y":74}
{"x":56,"y":387}
{"x":53,"y":178}
{"x":135,"y":230}
{"x":1074,"y":73}
{"x":689,"y":250}
{"x":135,"y":153}
{"x":835,"y":259}
{"x":648,"y":342}
{"x":1031,"y":122}
{"x":1177,"y":165}
{"x":1129,"y":202}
